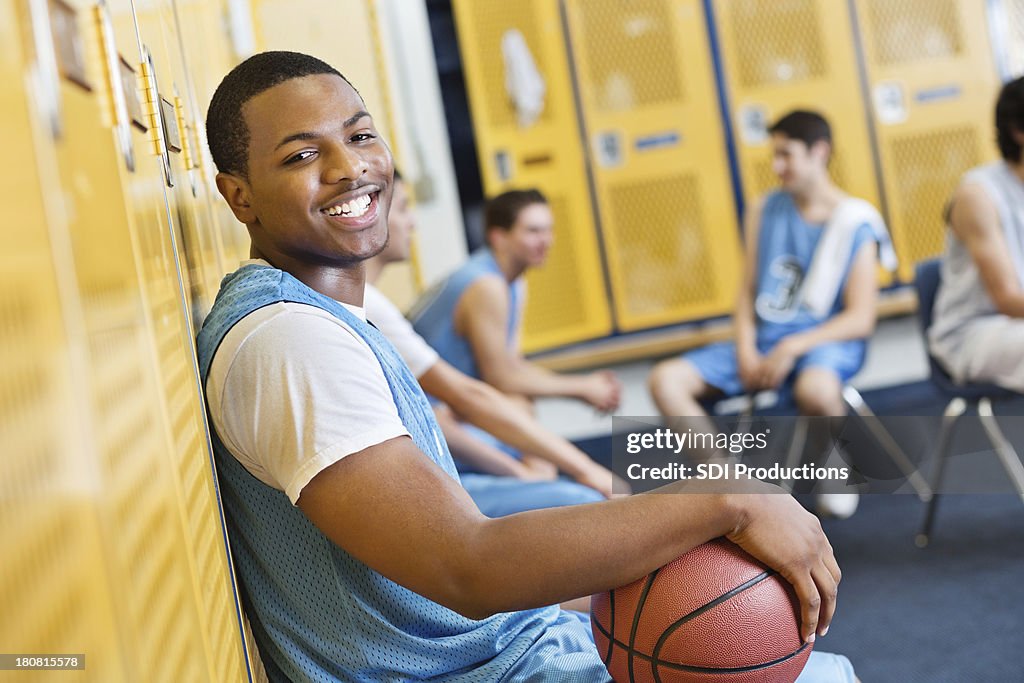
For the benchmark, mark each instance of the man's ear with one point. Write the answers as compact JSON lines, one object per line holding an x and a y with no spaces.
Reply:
{"x":493,"y":238}
{"x":235,"y":191}
{"x":1018,"y":135}
{"x":822,"y":149}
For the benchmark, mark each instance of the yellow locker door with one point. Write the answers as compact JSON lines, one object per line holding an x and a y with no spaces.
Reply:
{"x":567,"y":299}
{"x":933,"y":83}
{"x":658,"y":154}
{"x":55,"y":588}
{"x":779,"y":56}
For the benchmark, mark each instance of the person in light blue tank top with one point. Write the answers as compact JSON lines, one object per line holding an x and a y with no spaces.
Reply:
{"x":363,"y":559}
{"x":977,"y":331}
{"x":473,"y":317}
{"x":782,"y":341}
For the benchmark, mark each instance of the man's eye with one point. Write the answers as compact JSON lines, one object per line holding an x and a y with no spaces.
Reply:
{"x":301,"y":156}
{"x":361,"y":137}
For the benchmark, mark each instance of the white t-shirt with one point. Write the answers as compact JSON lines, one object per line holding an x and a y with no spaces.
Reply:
{"x":413,"y":349}
{"x":292,"y":390}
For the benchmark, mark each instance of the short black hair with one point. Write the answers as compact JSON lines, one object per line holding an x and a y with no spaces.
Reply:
{"x":502,"y":211}
{"x":1010,"y":119}
{"x":226,"y":131}
{"x":808,"y":127}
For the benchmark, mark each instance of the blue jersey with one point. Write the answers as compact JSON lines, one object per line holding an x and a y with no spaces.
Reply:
{"x":433,"y":315}
{"x":319,"y":614}
{"x":786,"y":246}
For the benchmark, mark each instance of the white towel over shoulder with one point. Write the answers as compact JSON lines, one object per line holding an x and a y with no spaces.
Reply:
{"x":825,"y":276}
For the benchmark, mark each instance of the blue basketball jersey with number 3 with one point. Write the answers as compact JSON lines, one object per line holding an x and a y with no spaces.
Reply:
{"x":786,"y":246}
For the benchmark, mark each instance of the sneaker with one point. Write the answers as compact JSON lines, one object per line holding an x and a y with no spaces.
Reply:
{"x":837,"y":505}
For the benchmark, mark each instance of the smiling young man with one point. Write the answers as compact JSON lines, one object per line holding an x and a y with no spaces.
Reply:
{"x":359,"y":556}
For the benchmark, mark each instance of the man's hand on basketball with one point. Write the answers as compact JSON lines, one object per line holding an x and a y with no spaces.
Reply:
{"x":776,"y":530}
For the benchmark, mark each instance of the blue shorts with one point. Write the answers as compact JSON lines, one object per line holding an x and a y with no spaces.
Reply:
{"x":566,"y":653}
{"x":718,"y":366}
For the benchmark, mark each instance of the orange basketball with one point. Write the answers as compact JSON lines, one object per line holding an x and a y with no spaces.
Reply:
{"x":712,"y":614}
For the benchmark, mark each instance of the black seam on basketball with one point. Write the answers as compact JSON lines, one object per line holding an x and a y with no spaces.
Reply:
{"x":636,"y":620}
{"x":611,"y":645}
{"x":656,"y":654}
{"x":703,"y":669}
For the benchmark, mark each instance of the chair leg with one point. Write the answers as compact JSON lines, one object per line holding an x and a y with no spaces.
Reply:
{"x":796,"y":449}
{"x":1005,"y":451}
{"x":882,"y":435}
{"x":953,"y":411}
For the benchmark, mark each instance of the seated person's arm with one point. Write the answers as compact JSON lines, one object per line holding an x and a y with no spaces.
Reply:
{"x":748,"y":357}
{"x":975,"y":222}
{"x":395,"y":510}
{"x":481,"y":456}
{"x":482,"y":317}
{"x":487,"y":408}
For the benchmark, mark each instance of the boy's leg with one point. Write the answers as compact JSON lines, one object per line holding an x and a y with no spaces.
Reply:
{"x":678,"y":384}
{"x":818,"y":392}
{"x":994,"y":353}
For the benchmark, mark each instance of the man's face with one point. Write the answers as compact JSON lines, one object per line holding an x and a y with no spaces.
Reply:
{"x":401,"y":224}
{"x":797,"y":165}
{"x":531,"y":236}
{"x":320,"y":175}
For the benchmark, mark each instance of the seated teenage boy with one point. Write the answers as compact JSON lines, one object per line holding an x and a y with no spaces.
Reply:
{"x":500,"y":483}
{"x":807,"y":300}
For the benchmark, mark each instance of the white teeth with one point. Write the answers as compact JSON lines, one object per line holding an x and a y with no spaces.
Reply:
{"x":352,"y":209}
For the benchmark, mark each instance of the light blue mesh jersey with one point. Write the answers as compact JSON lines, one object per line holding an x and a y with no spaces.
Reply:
{"x":319,"y":614}
{"x":786,"y":248}
{"x":433,"y":315}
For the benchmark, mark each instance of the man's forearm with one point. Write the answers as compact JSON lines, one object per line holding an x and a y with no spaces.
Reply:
{"x":471,"y":451}
{"x":843,"y":327}
{"x":569,"y":552}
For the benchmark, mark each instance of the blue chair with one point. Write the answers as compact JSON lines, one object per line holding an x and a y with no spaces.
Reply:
{"x":962,"y":397}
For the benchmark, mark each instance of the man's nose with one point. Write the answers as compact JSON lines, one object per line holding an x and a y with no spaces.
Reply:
{"x":343,"y":164}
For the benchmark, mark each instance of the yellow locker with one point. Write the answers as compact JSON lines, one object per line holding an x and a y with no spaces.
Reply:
{"x":650,"y":111}
{"x":567,"y":301}
{"x":932,"y":83}
{"x":54,"y":586}
{"x":779,"y":56}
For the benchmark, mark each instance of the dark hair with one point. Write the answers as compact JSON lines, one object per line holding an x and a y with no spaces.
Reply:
{"x":501,"y":212}
{"x":1010,"y":119}
{"x":226,"y":131}
{"x":806,"y":126}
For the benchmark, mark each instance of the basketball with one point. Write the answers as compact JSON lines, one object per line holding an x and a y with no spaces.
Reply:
{"x":712,"y":612}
